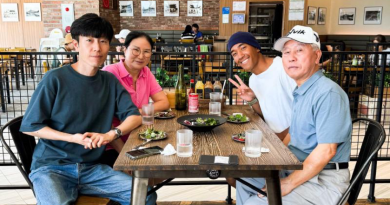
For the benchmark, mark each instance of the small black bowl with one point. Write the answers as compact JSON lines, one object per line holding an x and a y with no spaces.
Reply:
{"x":198,"y":128}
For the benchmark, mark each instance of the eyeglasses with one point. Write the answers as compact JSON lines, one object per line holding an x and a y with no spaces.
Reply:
{"x":137,"y":52}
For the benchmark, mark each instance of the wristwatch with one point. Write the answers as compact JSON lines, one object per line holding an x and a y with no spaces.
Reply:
{"x":118,"y":133}
{"x":252,"y":102}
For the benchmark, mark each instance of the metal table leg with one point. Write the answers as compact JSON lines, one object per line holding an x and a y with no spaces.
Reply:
{"x":273,"y":188}
{"x":140,"y":188}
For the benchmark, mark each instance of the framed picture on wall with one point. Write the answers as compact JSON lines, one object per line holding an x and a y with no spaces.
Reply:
{"x":32,"y":11}
{"x":148,"y":8}
{"x":347,"y":16}
{"x":321,"y":16}
{"x":311,"y":15}
{"x":9,"y":12}
{"x":194,"y":8}
{"x":373,"y":15}
{"x":171,"y":8}
{"x":126,"y":8}
{"x":238,"y":18}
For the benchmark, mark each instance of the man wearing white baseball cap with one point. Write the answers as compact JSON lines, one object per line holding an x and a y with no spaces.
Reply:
{"x":320,"y":130}
{"x":121,"y":36}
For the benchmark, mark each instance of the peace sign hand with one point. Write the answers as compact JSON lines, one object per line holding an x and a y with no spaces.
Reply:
{"x":243,"y":90}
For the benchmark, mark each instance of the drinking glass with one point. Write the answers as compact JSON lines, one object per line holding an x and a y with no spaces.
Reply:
{"x":148,"y":114}
{"x":184,"y":143}
{"x":171,"y":98}
{"x":215,"y":97}
{"x":215,"y":108}
{"x":253,"y":143}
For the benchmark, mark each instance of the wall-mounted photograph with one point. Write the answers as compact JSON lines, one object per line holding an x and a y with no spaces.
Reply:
{"x":148,"y":8}
{"x":9,"y":12}
{"x":373,"y":15}
{"x":321,"y":16}
{"x":126,"y":8}
{"x":347,"y":16}
{"x":194,"y":8}
{"x":311,"y":15}
{"x":171,"y":8}
{"x":32,"y":11}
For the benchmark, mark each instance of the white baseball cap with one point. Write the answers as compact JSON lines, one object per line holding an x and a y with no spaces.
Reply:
{"x":301,"y":34}
{"x":122,"y":34}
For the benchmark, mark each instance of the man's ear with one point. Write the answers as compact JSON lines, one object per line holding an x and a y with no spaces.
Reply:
{"x":75,"y":44}
{"x":319,"y":54}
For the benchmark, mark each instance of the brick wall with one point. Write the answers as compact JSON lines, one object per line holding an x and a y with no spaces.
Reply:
{"x":51,"y":15}
{"x":51,"y":11}
{"x":209,"y":20}
{"x":111,"y":14}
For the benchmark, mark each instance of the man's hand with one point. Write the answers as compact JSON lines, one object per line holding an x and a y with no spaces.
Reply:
{"x":118,"y":49}
{"x":285,"y":186}
{"x":81,"y":139}
{"x":99,"y":139}
{"x":243,"y":90}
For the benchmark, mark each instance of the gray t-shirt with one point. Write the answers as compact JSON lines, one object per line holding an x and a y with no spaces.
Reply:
{"x":73,"y":103}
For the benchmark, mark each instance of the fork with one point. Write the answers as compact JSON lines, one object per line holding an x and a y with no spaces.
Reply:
{"x":142,"y":144}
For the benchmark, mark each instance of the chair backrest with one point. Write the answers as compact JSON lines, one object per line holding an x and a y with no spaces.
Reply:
{"x":373,"y":140}
{"x":24,"y":145}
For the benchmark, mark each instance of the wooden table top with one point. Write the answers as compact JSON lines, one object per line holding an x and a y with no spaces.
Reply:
{"x":217,"y":142}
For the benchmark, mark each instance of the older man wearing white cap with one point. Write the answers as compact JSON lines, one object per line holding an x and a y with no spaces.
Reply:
{"x":121,"y":36}
{"x":320,"y":130}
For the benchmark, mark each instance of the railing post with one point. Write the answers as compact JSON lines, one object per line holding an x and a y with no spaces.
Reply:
{"x":231,"y":76}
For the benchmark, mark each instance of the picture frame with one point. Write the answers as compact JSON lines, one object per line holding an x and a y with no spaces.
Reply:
{"x":321,"y":19}
{"x":32,"y":11}
{"x":347,"y":16}
{"x":238,"y":18}
{"x":311,"y":15}
{"x":126,"y":8}
{"x":9,"y":12}
{"x":372,"y":15}
{"x":171,"y":8}
{"x":148,"y":8}
{"x":194,"y":8}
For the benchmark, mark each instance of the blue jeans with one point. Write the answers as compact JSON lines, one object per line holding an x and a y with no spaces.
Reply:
{"x":61,"y":184}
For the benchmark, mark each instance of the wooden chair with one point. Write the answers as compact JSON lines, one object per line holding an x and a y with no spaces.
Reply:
{"x":374,"y":138}
{"x":187,"y":40}
{"x":25,"y":146}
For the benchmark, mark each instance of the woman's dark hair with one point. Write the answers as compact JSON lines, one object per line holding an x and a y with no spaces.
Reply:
{"x":380,"y":38}
{"x":188,"y":29}
{"x":195,"y":25}
{"x":137,"y":34}
{"x":340,"y":47}
{"x":91,"y":24}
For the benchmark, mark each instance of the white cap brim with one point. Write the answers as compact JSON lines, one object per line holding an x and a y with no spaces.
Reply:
{"x":279,"y":44}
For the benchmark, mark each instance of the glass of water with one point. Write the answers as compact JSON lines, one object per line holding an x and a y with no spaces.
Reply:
{"x":253,"y":140}
{"x":215,"y":108}
{"x":184,"y":143}
{"x":148,"y":114}
{"x":215,"y":97}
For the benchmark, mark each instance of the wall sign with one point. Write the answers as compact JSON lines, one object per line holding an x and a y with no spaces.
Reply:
{"x":67,"y":12}
{"x":225,"y":14}
{"x":239,"y":5}
{"x":106,"y":4}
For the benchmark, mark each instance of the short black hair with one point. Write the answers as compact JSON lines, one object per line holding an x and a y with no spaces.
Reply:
{"x":380,"y":38}
{"x":195,"y":25}
{"x":137,"y":34}
{"x":91,"y":24}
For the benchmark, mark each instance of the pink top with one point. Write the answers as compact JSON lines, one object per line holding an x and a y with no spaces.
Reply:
{"x":146,"y":87}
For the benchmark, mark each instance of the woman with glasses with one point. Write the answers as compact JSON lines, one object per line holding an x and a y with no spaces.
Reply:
{"x":133,"y":73}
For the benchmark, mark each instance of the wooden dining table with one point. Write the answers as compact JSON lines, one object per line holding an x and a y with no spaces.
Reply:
{"x":217,"y":142}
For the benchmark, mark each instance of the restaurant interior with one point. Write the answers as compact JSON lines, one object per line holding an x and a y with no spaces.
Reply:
{"x":33,"y":31}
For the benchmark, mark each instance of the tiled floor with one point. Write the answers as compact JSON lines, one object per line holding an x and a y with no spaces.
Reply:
{"x":11,"y":176}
